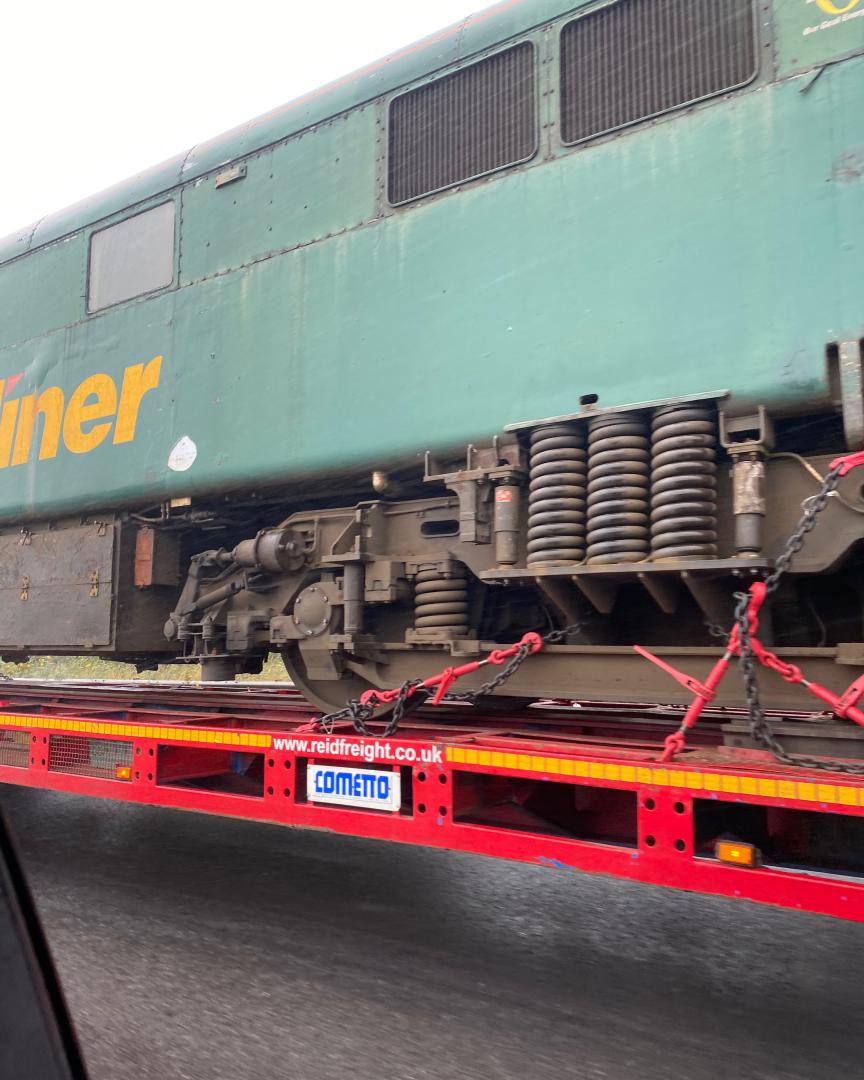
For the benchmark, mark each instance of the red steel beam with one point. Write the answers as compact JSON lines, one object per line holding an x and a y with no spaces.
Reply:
{"x":498,"y":786}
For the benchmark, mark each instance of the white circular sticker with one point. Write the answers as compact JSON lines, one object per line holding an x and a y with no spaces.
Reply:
{"x":183,"y":454}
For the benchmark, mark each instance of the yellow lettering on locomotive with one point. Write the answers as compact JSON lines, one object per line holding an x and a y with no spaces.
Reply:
{"x":84,"y":421}
{"x":832,"y":8}
{"x":50,"y":404}
{"x":8,"y":416}
{"x":137,"y":380}
{"x":81,"y":411}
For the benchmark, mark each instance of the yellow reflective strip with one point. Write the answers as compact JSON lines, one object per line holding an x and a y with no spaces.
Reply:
{"x":727,"y":783}
{"x":135,"y":731}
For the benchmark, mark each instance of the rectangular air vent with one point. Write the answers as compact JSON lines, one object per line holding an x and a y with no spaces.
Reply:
{"x":463,"y":125}
{"x":635,"y":59}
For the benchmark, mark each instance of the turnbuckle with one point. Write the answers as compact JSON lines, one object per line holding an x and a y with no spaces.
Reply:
{"x":445,"y":679}
{"x":687,"y":681}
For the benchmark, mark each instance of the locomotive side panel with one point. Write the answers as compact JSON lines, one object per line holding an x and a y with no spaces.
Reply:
{"x":673,"y":260}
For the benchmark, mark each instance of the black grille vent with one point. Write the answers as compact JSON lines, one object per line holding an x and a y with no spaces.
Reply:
{"x":464,"y":125}
{"x":638,"y":58}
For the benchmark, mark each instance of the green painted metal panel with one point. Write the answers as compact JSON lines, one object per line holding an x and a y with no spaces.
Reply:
{"x":811,"y":32}
{"x":718,"y":248}
{"x":43,"y":291}
{"x":307,"y":188}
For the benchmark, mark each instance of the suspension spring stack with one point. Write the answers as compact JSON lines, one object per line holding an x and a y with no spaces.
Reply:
{"x":441,"y":601}
{"x":618,"y":485}
{"x":684,"y":482}
{"x":556,"y":501}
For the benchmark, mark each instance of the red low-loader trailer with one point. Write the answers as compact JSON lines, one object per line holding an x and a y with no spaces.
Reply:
{"x":569,"y":786}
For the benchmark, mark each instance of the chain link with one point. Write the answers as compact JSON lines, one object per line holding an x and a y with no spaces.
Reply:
{"x":360,"y":713}
{"x":760,"y":727}
{"x":806,"y":523}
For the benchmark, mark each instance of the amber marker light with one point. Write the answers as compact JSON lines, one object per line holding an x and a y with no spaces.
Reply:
{"x":730,"y":851}
{"x":123,"y":772}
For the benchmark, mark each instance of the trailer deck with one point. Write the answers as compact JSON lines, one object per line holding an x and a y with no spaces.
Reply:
{"x":570,"y":786}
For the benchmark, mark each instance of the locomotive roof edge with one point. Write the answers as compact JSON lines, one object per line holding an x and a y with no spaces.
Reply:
{"x":467,"y":37}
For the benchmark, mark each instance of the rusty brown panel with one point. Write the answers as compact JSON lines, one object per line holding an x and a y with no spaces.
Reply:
{"x":144,"y":544}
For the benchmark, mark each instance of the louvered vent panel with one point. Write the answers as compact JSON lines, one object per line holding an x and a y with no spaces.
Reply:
{"x":464,"y":125}
{"x":638,"y":58}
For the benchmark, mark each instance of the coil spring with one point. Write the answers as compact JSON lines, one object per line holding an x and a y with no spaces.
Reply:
{"x":556,"y":500}
{"x":441,"y":601}
{"x":618,"y":483}
{"x":683,"y":482}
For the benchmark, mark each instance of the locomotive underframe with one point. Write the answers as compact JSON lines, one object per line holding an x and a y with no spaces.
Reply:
{"x":393,"y":587}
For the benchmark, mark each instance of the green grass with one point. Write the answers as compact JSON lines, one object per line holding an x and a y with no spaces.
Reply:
{"x":92,"y":667}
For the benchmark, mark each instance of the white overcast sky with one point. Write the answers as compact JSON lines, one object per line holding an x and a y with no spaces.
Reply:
{"x":93,"y":91}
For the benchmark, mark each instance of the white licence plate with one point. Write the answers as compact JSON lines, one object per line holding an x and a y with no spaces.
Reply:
{"x":372,"y":789}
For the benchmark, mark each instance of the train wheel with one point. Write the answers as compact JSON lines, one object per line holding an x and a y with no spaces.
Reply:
{"x":331,"y":695}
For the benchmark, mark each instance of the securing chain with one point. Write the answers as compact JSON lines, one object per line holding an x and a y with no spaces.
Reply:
{"x":361,"y":711}
{"x":760,"y":727}
{"x":513,"y":665}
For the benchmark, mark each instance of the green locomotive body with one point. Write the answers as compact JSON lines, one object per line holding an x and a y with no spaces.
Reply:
{"x":544,"y":211}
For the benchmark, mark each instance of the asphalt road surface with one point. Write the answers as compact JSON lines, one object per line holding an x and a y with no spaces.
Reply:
{"x":203,"y":949}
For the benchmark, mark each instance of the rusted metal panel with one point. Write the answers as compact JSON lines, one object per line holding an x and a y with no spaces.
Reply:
{"x":157,"y":558}
{"x":56,"y":587}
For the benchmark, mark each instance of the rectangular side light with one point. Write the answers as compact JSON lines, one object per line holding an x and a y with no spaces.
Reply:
{"x":731,"y":851}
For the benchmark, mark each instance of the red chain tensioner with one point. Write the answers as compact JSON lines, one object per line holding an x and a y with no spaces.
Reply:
{"x":445,"y":679}
{"x":844,"y":705}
